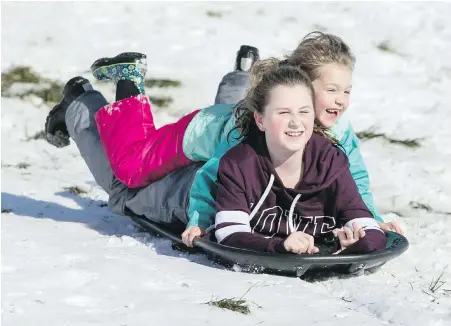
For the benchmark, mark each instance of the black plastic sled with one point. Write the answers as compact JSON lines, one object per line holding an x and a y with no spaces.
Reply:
{"x":355,"y":264}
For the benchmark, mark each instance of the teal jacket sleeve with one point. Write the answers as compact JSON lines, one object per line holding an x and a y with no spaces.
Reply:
{"x":350,"y":144}
{"x":202,"y":208}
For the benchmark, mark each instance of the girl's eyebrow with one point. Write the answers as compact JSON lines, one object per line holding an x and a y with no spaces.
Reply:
{"x":338,"y":86}
{"x":302,"y":107}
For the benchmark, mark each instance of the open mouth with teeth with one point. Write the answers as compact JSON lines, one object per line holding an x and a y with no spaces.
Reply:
{"x":294,"y":134}
{"x":332,"y":112}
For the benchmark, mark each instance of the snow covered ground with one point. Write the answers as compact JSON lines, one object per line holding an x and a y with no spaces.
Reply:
{"x":66,"y":260}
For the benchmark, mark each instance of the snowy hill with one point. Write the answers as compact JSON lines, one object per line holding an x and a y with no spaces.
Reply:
{"x":66,"y":260}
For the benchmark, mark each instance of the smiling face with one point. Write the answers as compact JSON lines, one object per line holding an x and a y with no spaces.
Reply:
{"x":332,"y":90}
{"x":287,"y":120}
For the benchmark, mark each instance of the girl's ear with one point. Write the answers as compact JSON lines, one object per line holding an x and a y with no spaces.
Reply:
{"x":259,"y":121}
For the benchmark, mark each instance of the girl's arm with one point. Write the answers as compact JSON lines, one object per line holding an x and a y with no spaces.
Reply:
{"x":350,"y":145}
{"x":202,"y":209}
{"x":350,"y":209}
{"x":232,"y":220}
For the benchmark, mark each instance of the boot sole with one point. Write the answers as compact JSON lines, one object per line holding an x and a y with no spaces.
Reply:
{"x":59,"y":139}
{"x":126,"y":58}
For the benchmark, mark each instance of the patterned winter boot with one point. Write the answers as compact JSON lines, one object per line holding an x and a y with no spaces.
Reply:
{"x":125,"y":66}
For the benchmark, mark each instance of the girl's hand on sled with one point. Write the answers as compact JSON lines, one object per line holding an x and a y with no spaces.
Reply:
{"x":300,"y":243}
{"x":348,"y":237}
{"x":190,"y":233}
{"x":391,"y":226}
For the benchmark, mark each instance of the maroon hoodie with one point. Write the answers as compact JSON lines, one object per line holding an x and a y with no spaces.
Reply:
{"x":255,"y":210}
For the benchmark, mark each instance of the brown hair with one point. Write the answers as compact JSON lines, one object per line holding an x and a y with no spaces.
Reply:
{"x":318,"y":49}
{"x":265,"y":75}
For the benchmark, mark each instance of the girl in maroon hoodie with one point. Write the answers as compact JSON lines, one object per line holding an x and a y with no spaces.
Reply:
{"x":287,"y":185}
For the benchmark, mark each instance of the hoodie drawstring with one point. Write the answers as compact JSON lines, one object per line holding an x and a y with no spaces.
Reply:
{"x":262,"y":199}
{"x":290,"y":214}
